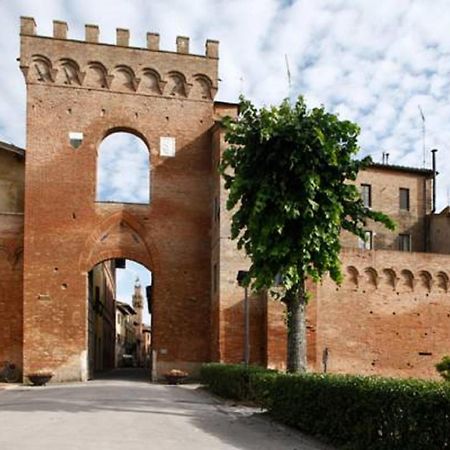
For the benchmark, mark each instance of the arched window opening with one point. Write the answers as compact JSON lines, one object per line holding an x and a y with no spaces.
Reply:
{"x":123,"y":170}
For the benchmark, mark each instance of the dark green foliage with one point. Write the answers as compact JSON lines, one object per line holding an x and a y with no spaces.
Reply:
{"x":232,"y":381}
{"x":289,"y":170}
{"x":443,"y":368}
{"x":352,"y":412}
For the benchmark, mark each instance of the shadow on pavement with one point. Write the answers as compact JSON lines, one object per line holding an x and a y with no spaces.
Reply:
{"x":124,"y":374}
{"x":180,"y":408}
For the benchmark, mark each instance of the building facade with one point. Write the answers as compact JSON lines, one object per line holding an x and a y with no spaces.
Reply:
{"x":101,"y":317}
{"x":125,"y":334}
{"x":389,"y":317}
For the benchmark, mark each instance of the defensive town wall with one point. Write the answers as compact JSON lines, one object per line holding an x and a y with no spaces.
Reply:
{"x":390,"y":316}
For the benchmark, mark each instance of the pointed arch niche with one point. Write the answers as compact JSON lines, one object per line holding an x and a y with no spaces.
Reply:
{"x":123,"y":169}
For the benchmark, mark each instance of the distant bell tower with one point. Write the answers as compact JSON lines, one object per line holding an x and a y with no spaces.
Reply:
{"x":138,"y":301}
{"x":138,"y":306}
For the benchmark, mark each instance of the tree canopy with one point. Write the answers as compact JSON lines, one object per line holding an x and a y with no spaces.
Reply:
{"x":290,"y":186}
{"x":290,"y":172}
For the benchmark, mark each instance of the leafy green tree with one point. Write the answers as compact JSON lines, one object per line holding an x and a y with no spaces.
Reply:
{"x":289,"y":170}
{"x":443,"y":367}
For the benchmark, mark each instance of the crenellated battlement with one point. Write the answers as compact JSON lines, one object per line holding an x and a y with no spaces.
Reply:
{"x":90,"y":64}
{"x":92,"y":33}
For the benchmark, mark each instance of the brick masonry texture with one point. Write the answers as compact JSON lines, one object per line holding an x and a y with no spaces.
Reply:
{"x":67,"y":232}
{"x":389,"y":317}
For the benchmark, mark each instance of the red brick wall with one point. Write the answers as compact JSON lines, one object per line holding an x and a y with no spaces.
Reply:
{"x":67,"y":232}
{"x":392,"y":307}
{"x":11,"y":256}
{"x":11,"y":284}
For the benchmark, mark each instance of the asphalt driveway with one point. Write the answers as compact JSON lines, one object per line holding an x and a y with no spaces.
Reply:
{"x":130,"y":414}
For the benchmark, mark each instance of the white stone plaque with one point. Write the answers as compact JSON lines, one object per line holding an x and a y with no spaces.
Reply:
{"x":167,"y":146}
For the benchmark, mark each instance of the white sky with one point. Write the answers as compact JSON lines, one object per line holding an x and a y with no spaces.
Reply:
{"x":126,"y":279}
{"x":123,"y":169}
{"x":371,"y":61}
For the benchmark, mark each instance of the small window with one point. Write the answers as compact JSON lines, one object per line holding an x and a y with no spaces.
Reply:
{"x":367,"y":243}
{"x":404,"y":242}
{"x":404,"y":199}
{"x":366,"y":195}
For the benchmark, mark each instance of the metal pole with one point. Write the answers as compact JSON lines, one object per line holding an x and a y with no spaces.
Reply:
{"x":433,"y":153}
{"x":246,"y":328}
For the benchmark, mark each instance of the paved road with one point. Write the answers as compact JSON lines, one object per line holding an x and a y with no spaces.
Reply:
{"x":129,"y":414}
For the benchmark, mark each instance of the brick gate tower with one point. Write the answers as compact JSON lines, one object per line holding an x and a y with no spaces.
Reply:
{"x":78,"y":93}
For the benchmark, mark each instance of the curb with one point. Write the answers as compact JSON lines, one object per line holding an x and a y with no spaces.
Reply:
{"x":8,"y":386}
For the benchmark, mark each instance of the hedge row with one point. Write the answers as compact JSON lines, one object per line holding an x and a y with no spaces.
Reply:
{"x":353,"y":412}
{"x":232,"y":380}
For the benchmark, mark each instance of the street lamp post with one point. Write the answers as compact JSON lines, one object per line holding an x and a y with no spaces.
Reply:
{"x":240,"y":279}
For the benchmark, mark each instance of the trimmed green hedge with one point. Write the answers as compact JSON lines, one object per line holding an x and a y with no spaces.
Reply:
{"x":353,"y":412}
{"x":232,"y":380}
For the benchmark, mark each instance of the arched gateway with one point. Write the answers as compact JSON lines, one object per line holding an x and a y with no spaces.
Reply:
{"x":78,"y":93}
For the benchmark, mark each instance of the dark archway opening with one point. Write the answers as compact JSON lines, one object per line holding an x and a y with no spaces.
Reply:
{"x":119,"y":320}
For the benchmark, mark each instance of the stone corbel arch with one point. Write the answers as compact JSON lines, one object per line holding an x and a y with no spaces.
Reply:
{"x":442,"y":281}
{"x":353,"y":276}
{"x":371,"y":277}
{"x":69,"y":72}
{"x":390,"y":277}
{"x":97,"y":75}
{"x":129,"y":79}
{"x":40,"y":70}
{"x":408,"y":280}
{"x":177,"y":85}
{"x":109,"y":241}
{"x":203,"y":87}
{"x":426,"y":280}
{"x":152,"y":81}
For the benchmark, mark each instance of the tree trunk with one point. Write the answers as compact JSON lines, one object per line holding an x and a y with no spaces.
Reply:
{"x":296,"y":332}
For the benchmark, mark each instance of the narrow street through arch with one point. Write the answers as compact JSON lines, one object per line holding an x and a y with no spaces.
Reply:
{"x":119,"y":320}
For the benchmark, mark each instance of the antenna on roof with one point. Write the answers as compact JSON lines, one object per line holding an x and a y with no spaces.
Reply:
{"x":288,"y":72}
{"x":422,"y":116}
{"x":241,"y":81}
